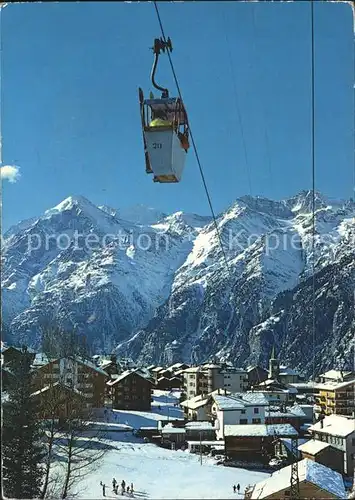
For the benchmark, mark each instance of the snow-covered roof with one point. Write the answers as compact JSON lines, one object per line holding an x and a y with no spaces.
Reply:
{"x":332,"y":386}
{"x":259,"y":430}
{"x":304,"y":385}
{"x":105,"y":363}
{"x":192,"y":369}
{"x":291,"y":411}
{"x":173,"y":430}
{"x":215,"y":444}
{"x":91,"y":365}
{"x":143,"y":372}
{"x":125,"y":374}
{"x":313,"y":446}
{"x":335,"y":425}
{"x":312,"y":472}
{"x":176,"y":366}
{"x":232,"y":370}
{"x":335,"y":375}
{"x":238,"y":401}
{"x":250,"y":368}
{"x":57,"y":384}
{"x":42,"y":359}
{"x":4,"y":397}
{"x":194,"y":403}
{"x":199,"y":425}
{"x":158,"y":369}
{"x":284,"y":370}
{"x":226,"y":403}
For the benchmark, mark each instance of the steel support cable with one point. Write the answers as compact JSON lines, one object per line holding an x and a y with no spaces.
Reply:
{"x":313,"y":186}
{"x":192,"y":140}
{"x":239,"y":115}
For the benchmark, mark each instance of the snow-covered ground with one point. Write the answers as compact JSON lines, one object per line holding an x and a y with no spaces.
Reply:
{"x":154,"y":471}
{"x":160,"y":473}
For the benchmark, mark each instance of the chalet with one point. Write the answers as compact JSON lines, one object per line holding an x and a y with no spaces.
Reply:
{"x":59,"y":401}
{"x":144,"y":372}
{"x":256,"y":375}
{"x":165,"y":372}
{"x":276,"y":392}
{"x":168,"y":384}
{"x":288,"y":375}
{"x":339,"y":432}
{"x":131,"y":391}
{"x":197,"y":408}
{"x":178,"y":367}
{"x":11,"y":354}
{"x":294,"y":415}
{"x":254,"y":442}
{"x":323,"y":453}
{"x":155,"y":372}
{"x":76,"y":372}
{"x":315,"y":481}
{"x":200,"y":407}
{"x":240,"y":408}
{"x":179,"y":432}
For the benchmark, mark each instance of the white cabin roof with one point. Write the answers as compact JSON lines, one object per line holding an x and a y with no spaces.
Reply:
{"x":312,"y":472}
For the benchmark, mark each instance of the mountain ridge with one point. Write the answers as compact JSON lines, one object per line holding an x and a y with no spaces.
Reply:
{"x":157,"y":288}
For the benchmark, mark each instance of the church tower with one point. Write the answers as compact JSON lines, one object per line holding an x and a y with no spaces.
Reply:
{"x":274,"y":366}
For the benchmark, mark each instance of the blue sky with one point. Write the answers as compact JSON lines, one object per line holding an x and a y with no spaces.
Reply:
{"x":70,"y":114}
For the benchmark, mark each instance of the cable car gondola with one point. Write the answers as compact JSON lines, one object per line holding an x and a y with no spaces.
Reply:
{"x":164,"y":127}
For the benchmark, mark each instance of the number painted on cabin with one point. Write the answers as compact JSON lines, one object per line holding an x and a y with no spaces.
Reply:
{"x":157,"y":145}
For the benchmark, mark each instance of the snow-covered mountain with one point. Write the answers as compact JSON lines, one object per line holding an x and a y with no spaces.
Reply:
{"x":160,"y":288}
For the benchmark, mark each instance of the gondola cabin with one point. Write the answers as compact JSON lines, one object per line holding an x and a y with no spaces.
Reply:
{"x":165,"y":134}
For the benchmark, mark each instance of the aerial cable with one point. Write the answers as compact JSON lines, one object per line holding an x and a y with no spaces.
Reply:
{"x":313,"y":186}
{"x":192,"y":140}
{"x":239,"y":115}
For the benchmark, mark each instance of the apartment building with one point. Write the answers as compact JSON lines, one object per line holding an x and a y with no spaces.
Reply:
{"x":336,"y":398}
{"x":131,"y":391}
{"x":77,"y":373}
{"x":206,"y":378}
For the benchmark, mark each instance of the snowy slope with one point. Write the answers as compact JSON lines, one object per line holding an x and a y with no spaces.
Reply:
{"x":156,"y":472}
{"x":157,"y":285}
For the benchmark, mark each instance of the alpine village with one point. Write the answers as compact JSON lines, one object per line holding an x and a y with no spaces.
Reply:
{"x":296,"y":433}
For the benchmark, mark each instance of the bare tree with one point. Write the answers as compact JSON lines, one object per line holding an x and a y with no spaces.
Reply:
{"x":82,"y":445}
{"x":49,"y":408}
{"x":65,"y":418}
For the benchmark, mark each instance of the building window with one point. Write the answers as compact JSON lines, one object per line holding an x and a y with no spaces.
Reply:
{"x":353,"y":441}
{"x":256,"y":421}
{"x":256,"y":410}
{"x":243,"y":421}
{"x":242,"y":412}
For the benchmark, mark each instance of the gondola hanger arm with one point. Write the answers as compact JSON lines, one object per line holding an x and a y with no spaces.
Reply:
{"x":160,"y":46}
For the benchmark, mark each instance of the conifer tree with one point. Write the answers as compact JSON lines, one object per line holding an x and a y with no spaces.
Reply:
{"x":22,"y":449}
